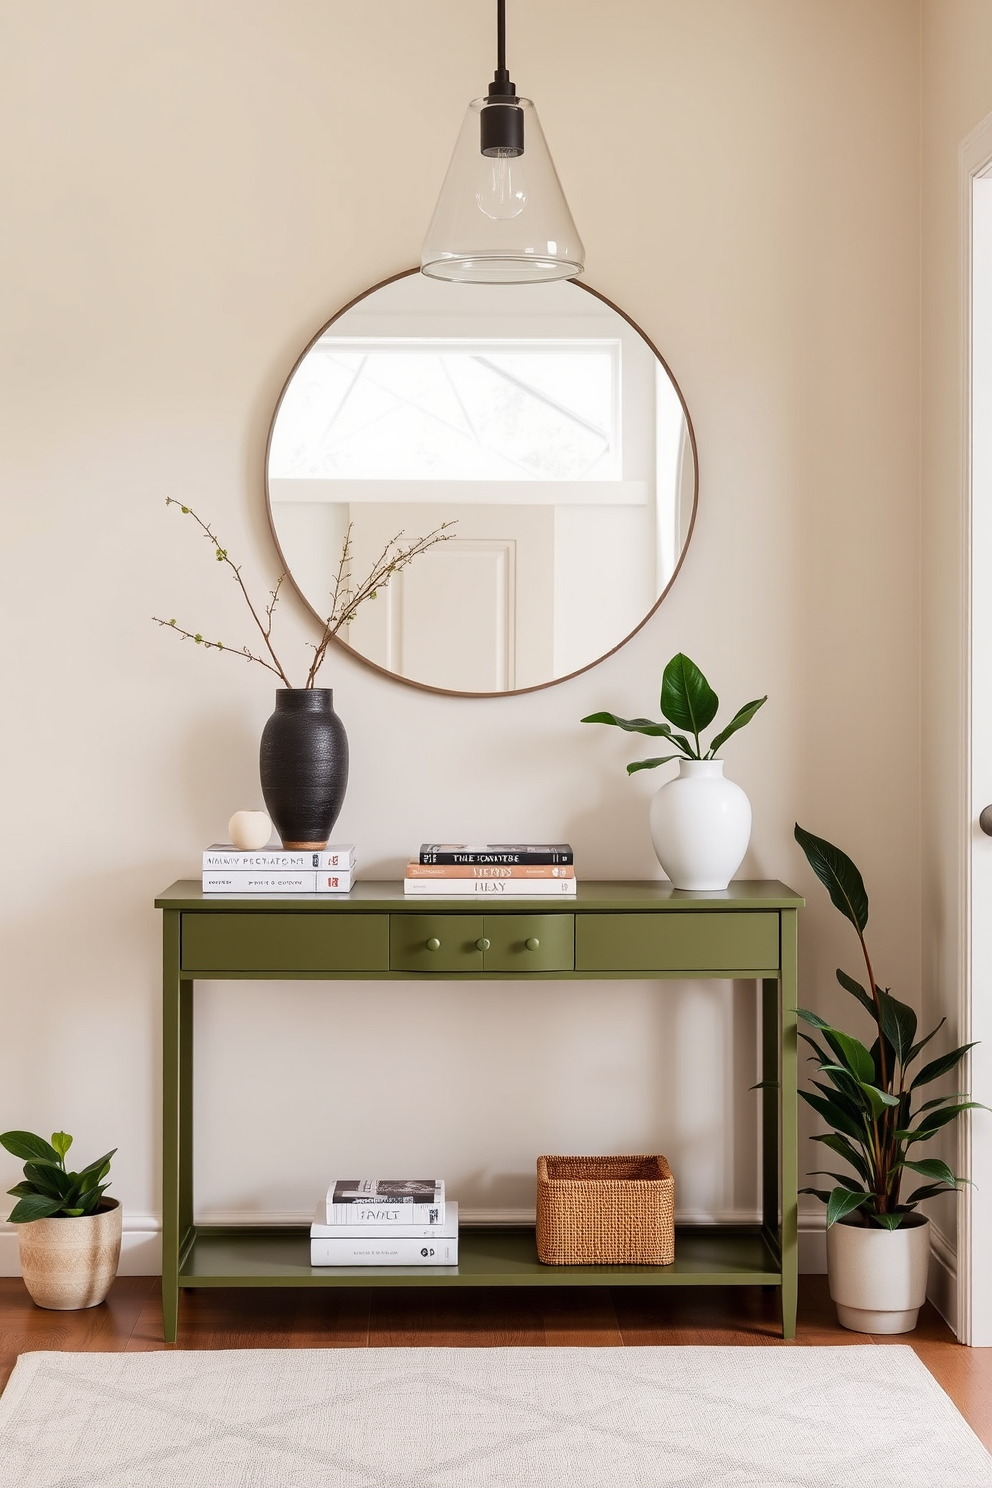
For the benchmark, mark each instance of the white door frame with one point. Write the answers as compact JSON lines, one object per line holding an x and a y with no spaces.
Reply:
{"x":975,"y":1006}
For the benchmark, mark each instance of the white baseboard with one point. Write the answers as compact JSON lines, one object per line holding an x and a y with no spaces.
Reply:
{"x":942,"y":1287}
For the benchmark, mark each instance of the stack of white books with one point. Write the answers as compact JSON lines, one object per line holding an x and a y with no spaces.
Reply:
{"x":385,"y":1222}
{"x":492,"y":870}
{"x":276,"y":870}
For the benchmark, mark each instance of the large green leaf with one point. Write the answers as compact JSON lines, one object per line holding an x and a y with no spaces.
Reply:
{"x":94,"y":1171}
{"x":843,"y":1149}
{"x":838,"y":875}
{"x":632,"y":725}
{"x":890,"y":1059}
{"x":686,"y":696}
{"x":932,"y":1167}
{"x":33,"y":1206}
{"x":833,"y":1115}
{"x":856,"y":990}
{"x":879,"y":1100}
{"x":851,"y":1054}
{"x":26,"y":1145}
{"x":934,"y":1120}
{"x":941,"y":1066}
{"x":841,"y":1178}
{"x":843,"y":1202}
{"x":740,"y":718}
{"x":652,"y":764}
{"x":47,"y":1179}
{"x":889,"y":1221}
{"x":928,"y":1191}
{"x":813,"y":1018}
{"x":898,"y":1022}
{"x":924,"y":1041}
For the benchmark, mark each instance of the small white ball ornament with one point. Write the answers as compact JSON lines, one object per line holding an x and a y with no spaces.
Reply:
{"x":249,"y":830}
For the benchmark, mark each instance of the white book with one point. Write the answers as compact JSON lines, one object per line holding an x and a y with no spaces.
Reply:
{"x":244,"y":881}
{"x":367,"y":1223}
{"x":392,"y":1200}
{"x":382,"y":1250}
{"x":491,"y":888}
{"x":278,"y":859}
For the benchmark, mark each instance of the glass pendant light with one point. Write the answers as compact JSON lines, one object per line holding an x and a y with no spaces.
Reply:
{"x":501,"y":217}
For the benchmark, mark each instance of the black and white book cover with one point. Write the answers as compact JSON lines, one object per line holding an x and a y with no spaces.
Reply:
{"x":391,"y":1191}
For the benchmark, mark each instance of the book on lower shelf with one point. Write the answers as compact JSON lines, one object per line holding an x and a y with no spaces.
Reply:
{"x":390,"y":1201}
{"x":376,"y":1243}
{"x":272,"y":870}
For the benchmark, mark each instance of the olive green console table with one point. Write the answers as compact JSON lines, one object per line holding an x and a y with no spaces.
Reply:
{"x":609,"y":930}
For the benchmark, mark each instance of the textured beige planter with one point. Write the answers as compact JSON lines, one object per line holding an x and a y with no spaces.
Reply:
{"x":70,"y":1263}
{"x":878,"y":1278}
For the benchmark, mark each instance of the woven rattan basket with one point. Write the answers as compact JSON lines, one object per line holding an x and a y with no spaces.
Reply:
{"x":605,"y":1211}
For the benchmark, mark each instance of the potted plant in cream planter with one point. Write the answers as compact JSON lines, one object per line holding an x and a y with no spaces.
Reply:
{"x":700,"y":822}
{"x":69,"y":1233}
{"x":878,"y":1245}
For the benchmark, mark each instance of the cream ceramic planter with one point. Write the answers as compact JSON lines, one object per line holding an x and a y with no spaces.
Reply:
{"x":878,"y":1278}
{"x":70,"y":1263}
{"x":700,"y":826}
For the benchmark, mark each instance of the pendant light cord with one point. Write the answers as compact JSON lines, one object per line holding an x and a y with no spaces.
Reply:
{"x":501,"y":86}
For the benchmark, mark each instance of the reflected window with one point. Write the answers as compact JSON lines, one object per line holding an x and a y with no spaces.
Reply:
{"x":420,"y":410}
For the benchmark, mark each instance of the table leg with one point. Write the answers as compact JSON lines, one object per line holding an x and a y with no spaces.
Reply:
{"x":788,"y":1178}
{"x":177,"y":1121}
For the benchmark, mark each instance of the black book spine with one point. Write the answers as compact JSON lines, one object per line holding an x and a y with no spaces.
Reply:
{"x":548,"y":859}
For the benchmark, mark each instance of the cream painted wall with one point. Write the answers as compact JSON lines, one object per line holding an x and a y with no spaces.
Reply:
{"x":956,"y":97}
{"x":189,"y":192}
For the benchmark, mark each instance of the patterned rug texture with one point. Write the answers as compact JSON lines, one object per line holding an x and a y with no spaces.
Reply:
{"x":502,"y":1417}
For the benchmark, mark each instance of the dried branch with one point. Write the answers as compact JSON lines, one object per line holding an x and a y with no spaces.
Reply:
{"x":345,"y":599}
{"x":189,"y":635}
{"x":221,"y":556}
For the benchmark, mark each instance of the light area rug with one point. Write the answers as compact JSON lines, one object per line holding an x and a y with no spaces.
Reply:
{"x":698,"y":1417}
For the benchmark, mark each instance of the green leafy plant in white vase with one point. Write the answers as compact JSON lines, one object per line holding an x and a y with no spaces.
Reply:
{"x":700,"y":821}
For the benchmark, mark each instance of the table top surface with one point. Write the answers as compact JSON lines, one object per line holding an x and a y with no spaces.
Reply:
{"x":606,"y":894}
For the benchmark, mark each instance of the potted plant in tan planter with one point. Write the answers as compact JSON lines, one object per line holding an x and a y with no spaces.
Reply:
{"x":878,"y":1245}
{"x":69,"y":1233}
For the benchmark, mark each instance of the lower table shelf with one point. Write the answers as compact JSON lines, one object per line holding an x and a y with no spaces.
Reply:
{"x":709,"y":1255}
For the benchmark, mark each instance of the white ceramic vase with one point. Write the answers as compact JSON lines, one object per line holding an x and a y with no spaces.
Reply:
{"x":878,"y":1278}
{"x":70,"y":1263}
{"x":700,"y":826}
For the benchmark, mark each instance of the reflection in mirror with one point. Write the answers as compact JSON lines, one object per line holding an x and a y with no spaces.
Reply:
{"x":539,"y":420}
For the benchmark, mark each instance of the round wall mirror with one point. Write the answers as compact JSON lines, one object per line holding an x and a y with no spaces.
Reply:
{"x":540,"y":423}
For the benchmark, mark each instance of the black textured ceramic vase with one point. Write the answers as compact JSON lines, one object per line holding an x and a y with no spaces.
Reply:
{"x":303,"y":764}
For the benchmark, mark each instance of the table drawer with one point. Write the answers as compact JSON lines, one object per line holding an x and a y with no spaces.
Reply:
{"x":530,"y":942}
{"x":500,"y":943}
{"x":733,"y":941}
{"x":285,"y":942}
{"x":435,"y":942}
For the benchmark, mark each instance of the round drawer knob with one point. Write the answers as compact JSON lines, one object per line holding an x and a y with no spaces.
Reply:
{"x":433,"y":944}
{"x":532,"y":943}
{"x":482,"y":943}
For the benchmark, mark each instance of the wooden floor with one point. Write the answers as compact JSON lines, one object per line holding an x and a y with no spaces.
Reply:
{"x":131,"y":1320}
